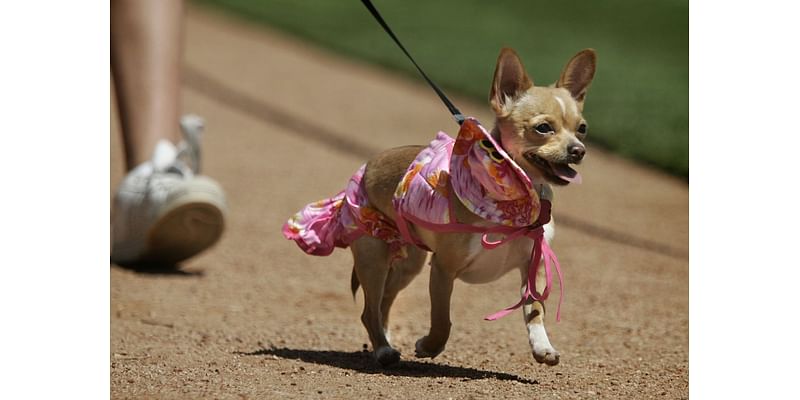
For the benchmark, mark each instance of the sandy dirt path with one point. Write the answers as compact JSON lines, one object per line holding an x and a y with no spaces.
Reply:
{"x":287,"y":124}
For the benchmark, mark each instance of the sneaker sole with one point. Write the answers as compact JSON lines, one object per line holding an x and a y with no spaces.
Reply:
{"x":184,"y":231}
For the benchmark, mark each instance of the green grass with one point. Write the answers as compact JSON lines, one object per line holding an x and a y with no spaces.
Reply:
{"x":638,"y":103}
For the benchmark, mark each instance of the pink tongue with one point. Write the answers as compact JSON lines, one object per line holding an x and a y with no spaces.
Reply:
{"x":566,"y":173}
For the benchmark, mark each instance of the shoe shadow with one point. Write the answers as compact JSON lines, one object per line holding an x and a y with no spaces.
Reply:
{"x":159,"y":269}
{"x":362,"y":361}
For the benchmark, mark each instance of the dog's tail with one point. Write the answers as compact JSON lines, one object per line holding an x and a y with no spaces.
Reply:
{"x":354,"y":283}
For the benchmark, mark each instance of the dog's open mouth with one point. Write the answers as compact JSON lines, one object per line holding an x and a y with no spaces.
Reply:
{"x":558,"y":173}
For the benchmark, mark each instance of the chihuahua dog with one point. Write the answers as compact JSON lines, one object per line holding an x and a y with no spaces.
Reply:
{"x":542,"y":129}
{"x":501,"y":181}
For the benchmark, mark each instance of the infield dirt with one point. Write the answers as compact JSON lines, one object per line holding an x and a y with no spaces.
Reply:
{"x":254,"y":317}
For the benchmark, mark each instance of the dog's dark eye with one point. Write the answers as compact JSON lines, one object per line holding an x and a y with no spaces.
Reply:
{"x":582,"y":128}
{"x":544,"y":128}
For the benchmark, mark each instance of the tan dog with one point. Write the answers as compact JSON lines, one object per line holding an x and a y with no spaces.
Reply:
{"x":542,"y":129}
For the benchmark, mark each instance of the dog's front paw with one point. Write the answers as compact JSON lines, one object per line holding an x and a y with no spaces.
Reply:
{"x":423,"y":351}
{"x":387,"y":356}
{"x":546,"y":355}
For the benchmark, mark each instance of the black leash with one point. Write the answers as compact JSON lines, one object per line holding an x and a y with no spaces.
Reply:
{"x":453,"y":110}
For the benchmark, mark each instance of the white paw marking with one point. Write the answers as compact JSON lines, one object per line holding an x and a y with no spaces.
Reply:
{"x":538,"y":338}
{"x":543,"y":351}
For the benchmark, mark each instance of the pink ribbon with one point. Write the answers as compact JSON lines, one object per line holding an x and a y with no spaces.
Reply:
{"x":540,"y":250}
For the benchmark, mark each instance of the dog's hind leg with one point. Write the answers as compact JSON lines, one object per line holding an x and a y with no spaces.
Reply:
{"x":400,"y":275}
{"x":441,"y":288}
{"x":371,"y":265}
{"x":533,"y":312}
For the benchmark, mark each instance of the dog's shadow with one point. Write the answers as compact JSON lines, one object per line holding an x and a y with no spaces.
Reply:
{"x":362,"y":361}
{"x":159,"y":269}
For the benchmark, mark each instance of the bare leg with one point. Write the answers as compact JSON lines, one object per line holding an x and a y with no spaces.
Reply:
{"x":146,"y":46}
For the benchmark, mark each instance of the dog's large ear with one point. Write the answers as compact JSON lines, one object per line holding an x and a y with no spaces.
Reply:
{"x":510,"y":79}
{"x":578,"y":74}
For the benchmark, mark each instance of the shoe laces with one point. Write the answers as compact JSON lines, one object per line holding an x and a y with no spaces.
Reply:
{"x":182,"y":160}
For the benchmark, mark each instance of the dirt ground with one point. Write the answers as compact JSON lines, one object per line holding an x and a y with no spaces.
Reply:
{"x":256,"y":318}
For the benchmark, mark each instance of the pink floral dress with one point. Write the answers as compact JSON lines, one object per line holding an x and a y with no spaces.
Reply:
{"x":482,"y":177}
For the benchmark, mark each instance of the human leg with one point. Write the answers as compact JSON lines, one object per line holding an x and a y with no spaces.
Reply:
{"x":146,"y":47}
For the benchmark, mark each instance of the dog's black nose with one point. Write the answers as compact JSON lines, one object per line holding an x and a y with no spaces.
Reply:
{"x":576,"y":152}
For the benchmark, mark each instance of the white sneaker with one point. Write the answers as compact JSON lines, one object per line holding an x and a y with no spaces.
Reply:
{"x":164,"y":212}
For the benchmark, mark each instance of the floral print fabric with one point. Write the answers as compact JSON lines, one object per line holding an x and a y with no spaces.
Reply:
{"x":338,"y":221}
{"x":481,"y":174}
